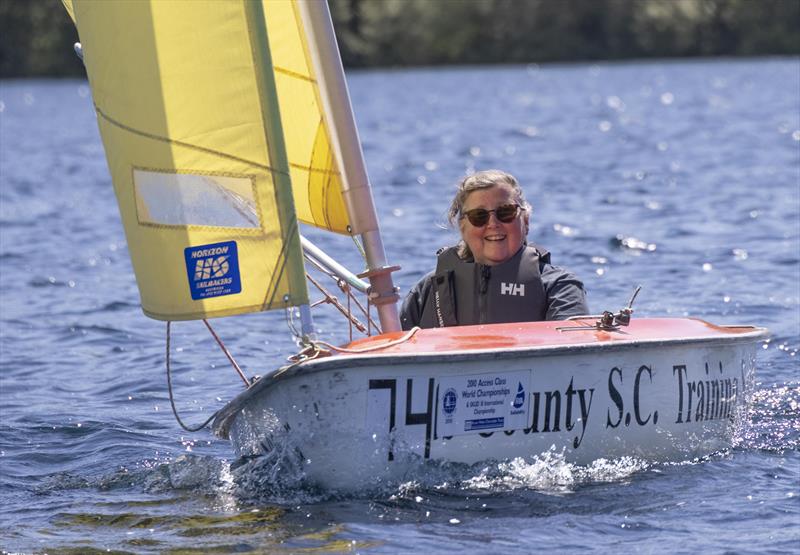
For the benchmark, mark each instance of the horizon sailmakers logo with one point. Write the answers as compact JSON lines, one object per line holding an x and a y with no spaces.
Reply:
{"x":449,"y":403}
{"x":213,"y":270}
{"x":211,"y":267}
{"x":519,"y":399}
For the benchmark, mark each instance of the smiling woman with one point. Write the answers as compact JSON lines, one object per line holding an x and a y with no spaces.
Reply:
{"x":492,"y":275}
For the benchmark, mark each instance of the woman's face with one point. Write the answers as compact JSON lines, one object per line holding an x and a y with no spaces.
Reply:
{"x":495,"y":242}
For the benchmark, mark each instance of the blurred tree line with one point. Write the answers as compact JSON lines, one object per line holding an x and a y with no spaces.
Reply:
{"x":422,"y":32}
{"x":37,"y":35}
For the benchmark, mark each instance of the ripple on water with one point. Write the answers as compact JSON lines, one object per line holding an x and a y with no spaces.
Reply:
{"x":773,"y":424}
{"x":86,"y":433}
{"x":631,"y":244}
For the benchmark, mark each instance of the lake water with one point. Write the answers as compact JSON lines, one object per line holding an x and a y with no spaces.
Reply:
{"x":683,"y":177}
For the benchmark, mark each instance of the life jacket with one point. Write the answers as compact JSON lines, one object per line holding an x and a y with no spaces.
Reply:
{"x":465,"y":292}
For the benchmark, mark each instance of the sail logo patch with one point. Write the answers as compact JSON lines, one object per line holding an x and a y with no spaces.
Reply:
{"x":213,"y":270}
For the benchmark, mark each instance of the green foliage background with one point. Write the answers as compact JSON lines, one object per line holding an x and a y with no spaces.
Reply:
{"x":36,"y":36}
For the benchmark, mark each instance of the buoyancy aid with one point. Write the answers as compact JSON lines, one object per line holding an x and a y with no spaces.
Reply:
{"x":465,"y":292}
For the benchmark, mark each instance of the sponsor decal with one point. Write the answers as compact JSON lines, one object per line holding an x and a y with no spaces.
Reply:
{"x":213,"y":270}
{"x":483,"y":424}
{"x":484,"y":402}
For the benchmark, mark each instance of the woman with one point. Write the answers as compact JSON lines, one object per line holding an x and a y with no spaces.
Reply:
{"x":493,"y":275}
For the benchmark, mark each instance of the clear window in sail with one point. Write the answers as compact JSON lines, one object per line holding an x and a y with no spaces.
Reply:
{"x":184,"y":199}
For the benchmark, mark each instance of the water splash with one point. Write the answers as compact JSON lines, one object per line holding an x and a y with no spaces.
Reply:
{"x":550,"y":473}
{"x":277,"y":475}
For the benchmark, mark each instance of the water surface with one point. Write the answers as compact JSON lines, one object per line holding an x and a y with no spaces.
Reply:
{"x":683,"y":177}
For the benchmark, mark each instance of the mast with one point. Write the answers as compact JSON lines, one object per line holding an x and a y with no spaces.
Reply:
{"x":338,"y":112}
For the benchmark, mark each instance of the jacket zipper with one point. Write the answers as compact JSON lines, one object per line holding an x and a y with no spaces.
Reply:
{"x":483,"y":289}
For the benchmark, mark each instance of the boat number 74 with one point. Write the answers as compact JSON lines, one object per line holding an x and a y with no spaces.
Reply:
{"x":411,"y":418}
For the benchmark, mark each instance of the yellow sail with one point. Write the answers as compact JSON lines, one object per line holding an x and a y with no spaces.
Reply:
{"x":210,"y":119}
{"x":316,"y":179}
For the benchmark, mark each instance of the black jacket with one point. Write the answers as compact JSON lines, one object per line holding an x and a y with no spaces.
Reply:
{"x":525,"y":288}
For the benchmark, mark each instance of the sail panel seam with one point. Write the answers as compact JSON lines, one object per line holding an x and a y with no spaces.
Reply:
{"x":277,"y":274}
{"x":199,"y":148}
{"x":291,"y":73}
{"x":327,"y":185}
{"x":312,"y":169}
{"x":310,"y":183}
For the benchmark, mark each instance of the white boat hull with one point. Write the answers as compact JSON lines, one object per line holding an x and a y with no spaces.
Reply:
{"x":352,"y":420}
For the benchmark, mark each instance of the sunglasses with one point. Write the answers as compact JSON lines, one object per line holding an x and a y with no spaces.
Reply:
{"x":479,"y":217}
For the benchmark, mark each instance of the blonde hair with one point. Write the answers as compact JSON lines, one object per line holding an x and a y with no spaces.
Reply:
{"x":474,"y":182}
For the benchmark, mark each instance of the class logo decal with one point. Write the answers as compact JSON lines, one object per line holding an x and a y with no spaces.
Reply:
{"x":213,"y":270}
{"x":449,"y":401}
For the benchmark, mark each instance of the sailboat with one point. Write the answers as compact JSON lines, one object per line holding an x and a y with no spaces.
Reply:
{"x":225,"y":124}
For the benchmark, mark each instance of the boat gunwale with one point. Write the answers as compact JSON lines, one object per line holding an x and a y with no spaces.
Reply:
{"x":225,"y":415}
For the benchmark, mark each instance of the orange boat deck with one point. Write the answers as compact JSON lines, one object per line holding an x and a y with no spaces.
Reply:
{"x":545,"y":334}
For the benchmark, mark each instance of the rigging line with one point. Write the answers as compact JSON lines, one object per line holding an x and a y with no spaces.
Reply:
{"x":338,"y":305}
{"x":167,"y":140}
{"x":343,"y":285}
{"x":369,"y":320}
{"x":298,"y":359}
{"x":408,"y":335}
{"x":288,"y":314}
{"x":365,"y":311}
{"x":320,"y":267}
{"x":358,"y":245}
{"x":227,"y":353}
{"x":346,"y":288}
{"x":172,"y":399}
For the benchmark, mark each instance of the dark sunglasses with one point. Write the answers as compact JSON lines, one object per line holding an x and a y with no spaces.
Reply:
{"x":479,"y":217}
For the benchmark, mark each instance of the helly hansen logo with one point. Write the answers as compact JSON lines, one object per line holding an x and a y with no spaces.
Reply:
{"x":513,"y":289}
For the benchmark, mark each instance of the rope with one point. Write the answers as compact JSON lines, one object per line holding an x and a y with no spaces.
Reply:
{"x":397,"y":341}
{"x":346,"y":288}
{"x":365,"y":311}
{"x":227,"y":354}
{"x":358,"y":245}
{"x":289,"y":315}
{"x":172,"y":400}
{"x":335,"y":302}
